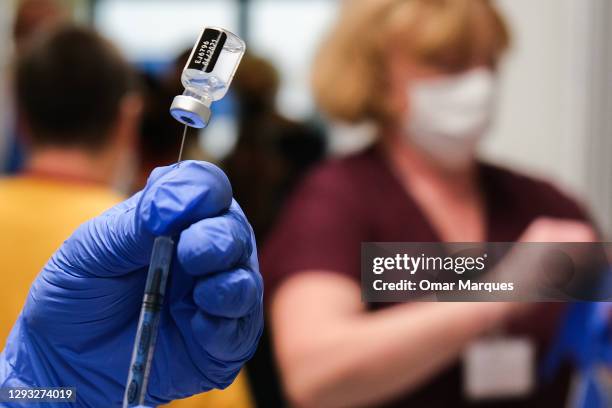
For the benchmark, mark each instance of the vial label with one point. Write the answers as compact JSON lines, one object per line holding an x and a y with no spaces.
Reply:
{"x":207,"y":50}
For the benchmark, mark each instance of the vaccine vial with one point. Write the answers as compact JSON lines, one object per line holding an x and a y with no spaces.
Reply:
{"x":207,"y":75}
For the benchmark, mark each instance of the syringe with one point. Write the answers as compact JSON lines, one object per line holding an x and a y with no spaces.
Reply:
{"x":206,"y":77}
{"x":150,"y":312}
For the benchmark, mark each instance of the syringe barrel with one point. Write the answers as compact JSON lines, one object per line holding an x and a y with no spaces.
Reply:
{"x":150,"y":313}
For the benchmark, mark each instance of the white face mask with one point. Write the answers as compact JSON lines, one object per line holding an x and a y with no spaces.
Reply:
{"x":448,"y":116}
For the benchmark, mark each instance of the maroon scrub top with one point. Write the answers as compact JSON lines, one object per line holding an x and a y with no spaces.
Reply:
{"x":357,"y":199}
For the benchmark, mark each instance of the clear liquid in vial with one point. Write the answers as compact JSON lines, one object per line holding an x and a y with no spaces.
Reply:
{"x":207,"y":75}
{"x":214,"y":85}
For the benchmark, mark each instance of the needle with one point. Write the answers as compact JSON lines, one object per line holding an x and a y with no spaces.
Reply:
{"x":182,"y":144}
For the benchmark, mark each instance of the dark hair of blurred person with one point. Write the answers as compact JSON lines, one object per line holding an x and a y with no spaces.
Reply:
{"x":32,"y":18}
{"x":78,"y":111}
{"x":272,"y":152}
{"x":95,"y":84}
{"x":160,"y":134}
{"x":425,"y":72}
{"x":270,"y":156}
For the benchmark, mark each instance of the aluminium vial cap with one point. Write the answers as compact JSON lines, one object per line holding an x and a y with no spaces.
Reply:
{"x":190,"y":111}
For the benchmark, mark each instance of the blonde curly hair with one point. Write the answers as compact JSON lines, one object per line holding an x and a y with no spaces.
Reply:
{"x":349,"y":72}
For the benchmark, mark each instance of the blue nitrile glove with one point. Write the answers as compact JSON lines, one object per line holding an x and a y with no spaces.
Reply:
{"x":78,"y":325}
{"x":585,"y":339}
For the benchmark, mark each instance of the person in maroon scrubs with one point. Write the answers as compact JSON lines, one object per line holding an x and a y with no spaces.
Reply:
{"x":425,"y":73}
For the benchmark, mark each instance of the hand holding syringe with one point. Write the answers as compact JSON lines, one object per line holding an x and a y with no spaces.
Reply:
{"x":206,"y":78}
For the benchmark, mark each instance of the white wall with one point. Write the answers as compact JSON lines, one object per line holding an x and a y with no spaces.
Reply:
{"x":538,"y":116}
{"x":289,"y":33}
{"x":160,"y":29}
{"x":553,"y":116}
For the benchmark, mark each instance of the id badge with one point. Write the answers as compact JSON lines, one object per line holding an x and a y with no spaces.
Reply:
{"x":499,"y":367}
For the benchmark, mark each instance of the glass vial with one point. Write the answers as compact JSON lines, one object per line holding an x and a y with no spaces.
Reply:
{"x":207,"y":75}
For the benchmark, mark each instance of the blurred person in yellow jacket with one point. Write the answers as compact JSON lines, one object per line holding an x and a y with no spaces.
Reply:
{"x":78,"y":111}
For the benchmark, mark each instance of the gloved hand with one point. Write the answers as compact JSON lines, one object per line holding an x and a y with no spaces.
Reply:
{"x":78,"y":324}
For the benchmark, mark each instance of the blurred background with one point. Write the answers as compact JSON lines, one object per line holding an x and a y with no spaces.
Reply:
{"x":553,"y":117}
{"x":553,"y":120}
